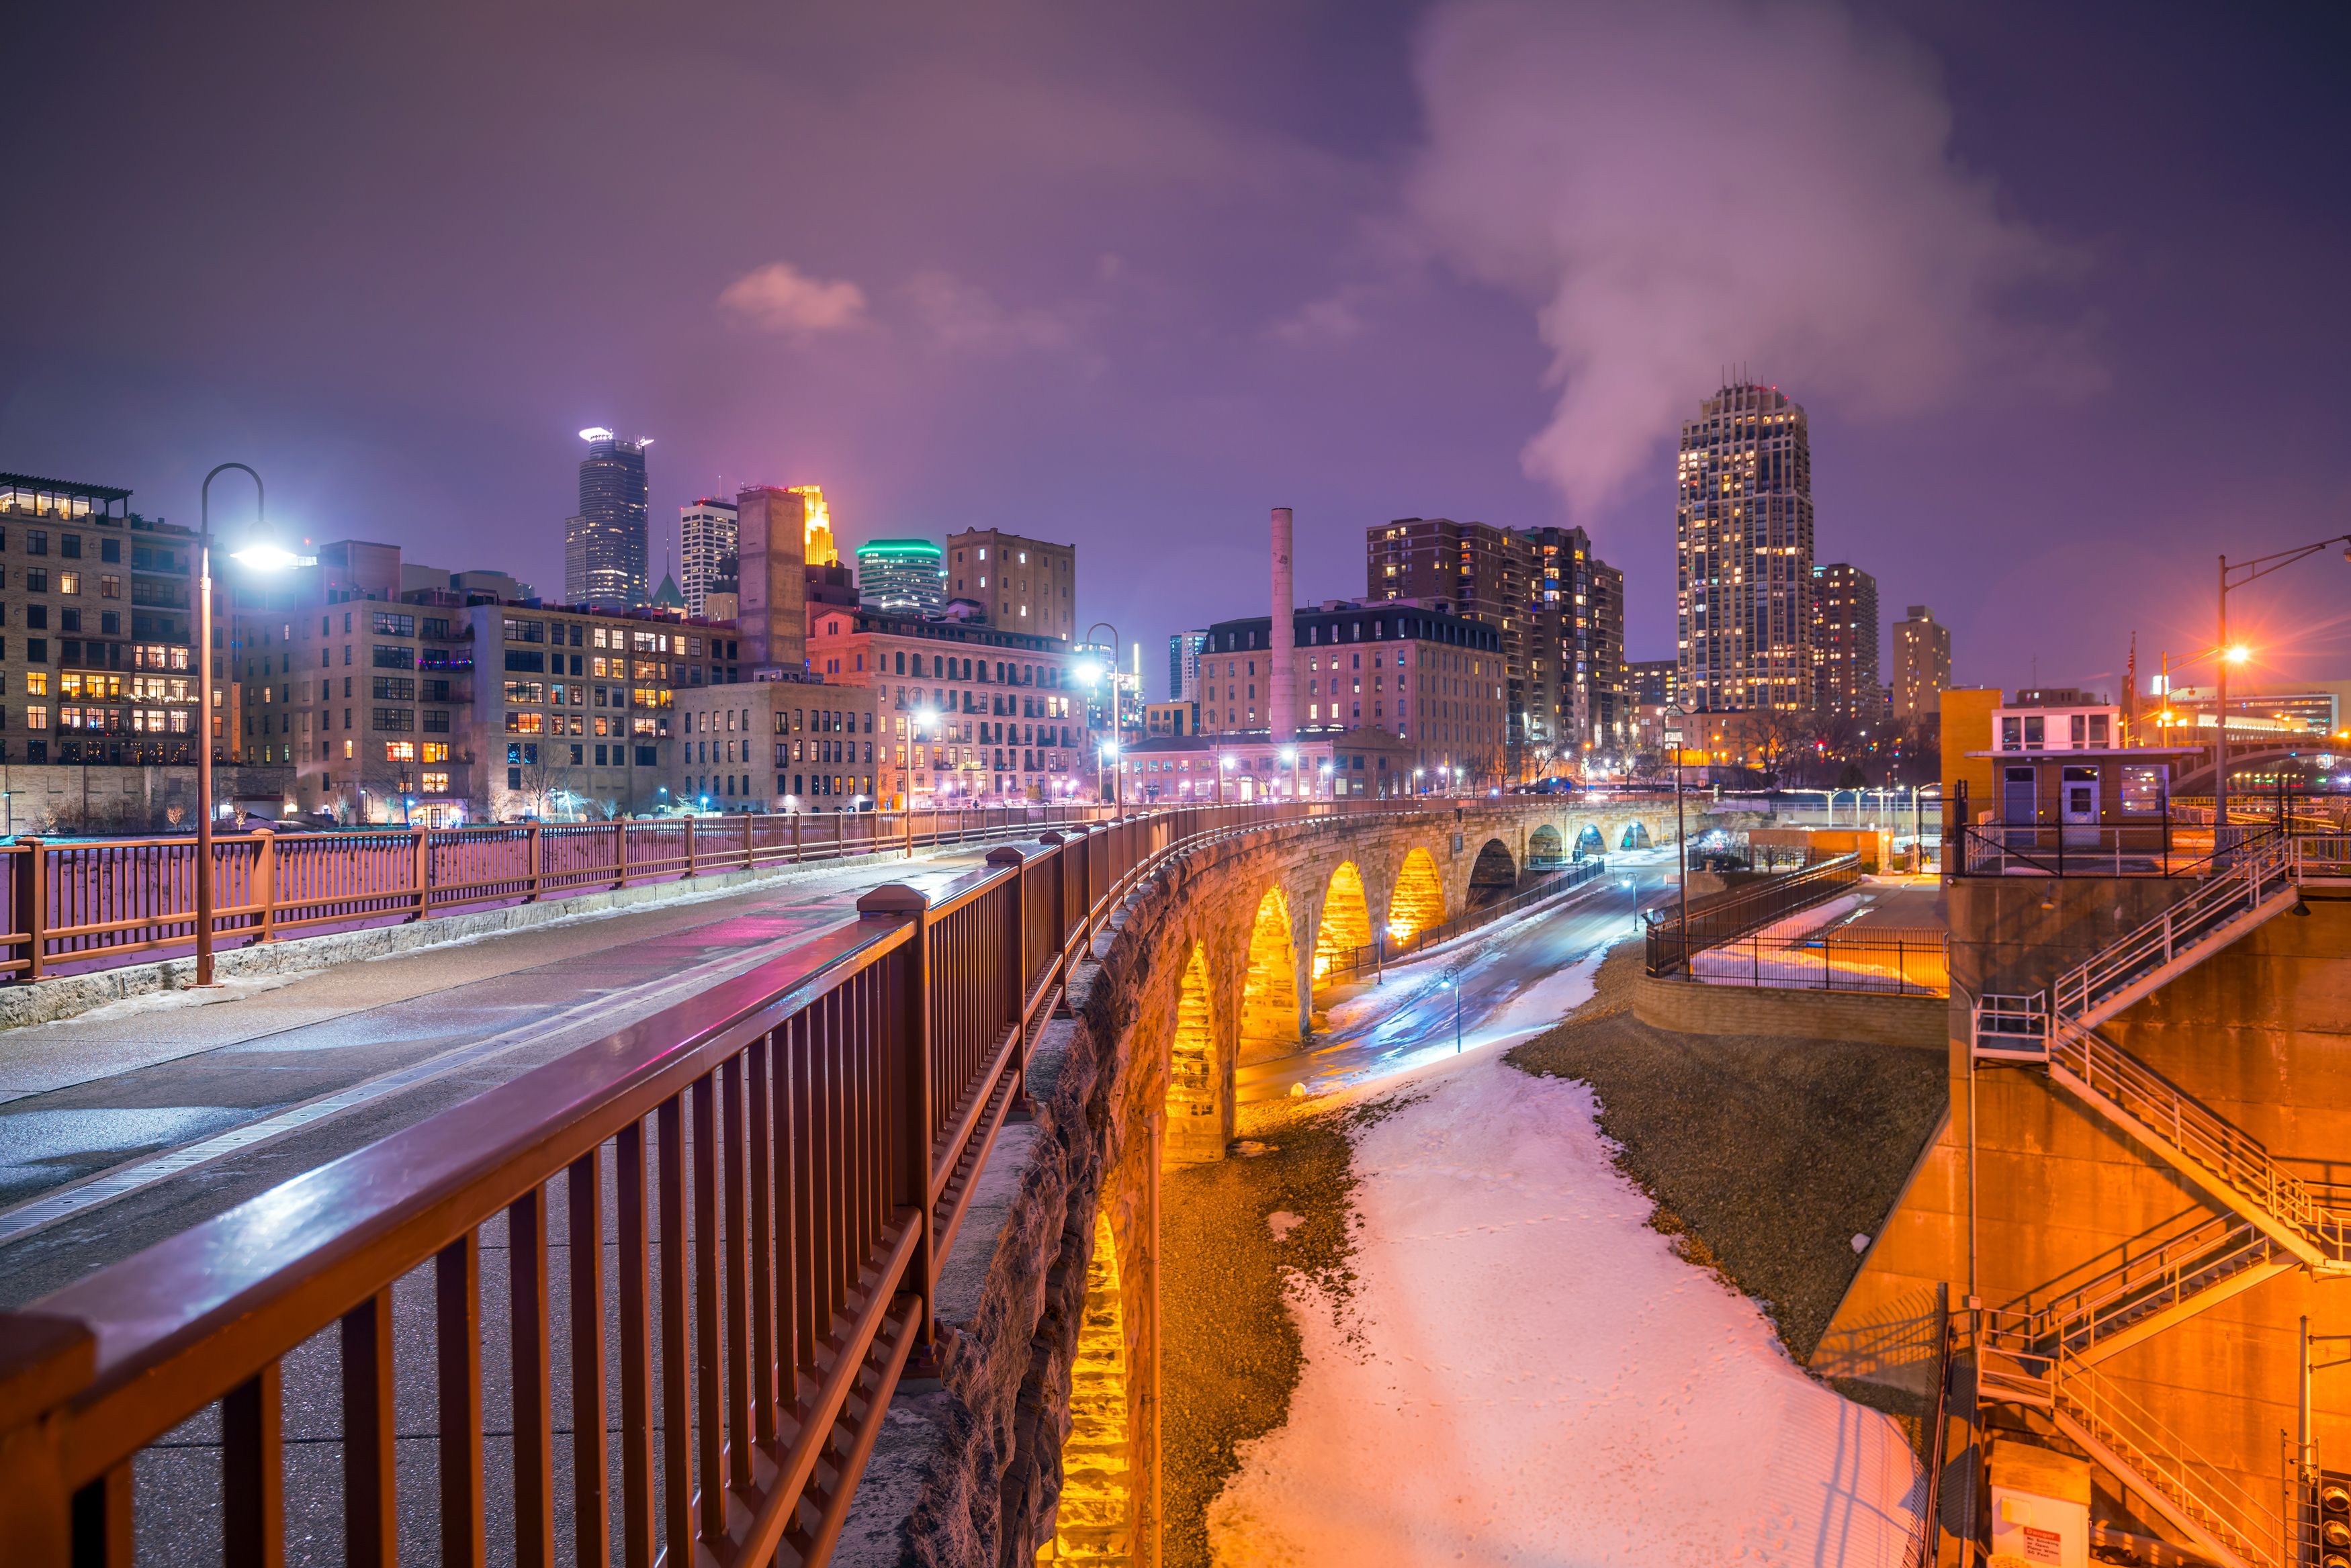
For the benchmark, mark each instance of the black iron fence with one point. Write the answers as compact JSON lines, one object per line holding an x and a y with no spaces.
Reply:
{"x":1673,"y":935}
{"x":1889,"y":961}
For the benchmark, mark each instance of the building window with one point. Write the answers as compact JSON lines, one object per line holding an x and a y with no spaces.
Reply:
{"x":386,"y":656}
{"x":395,"y":721}
{"x":400,"y":750}
{"x":436,"y":783}
{"x":390,"y":624}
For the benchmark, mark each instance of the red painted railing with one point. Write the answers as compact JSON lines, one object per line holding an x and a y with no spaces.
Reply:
{"x":76,"y":905}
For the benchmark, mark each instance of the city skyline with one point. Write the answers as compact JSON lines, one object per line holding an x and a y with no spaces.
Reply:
{"x":1044,"y":376}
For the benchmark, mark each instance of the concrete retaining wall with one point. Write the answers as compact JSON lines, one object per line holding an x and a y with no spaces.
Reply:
{"x":1695,"y":1007}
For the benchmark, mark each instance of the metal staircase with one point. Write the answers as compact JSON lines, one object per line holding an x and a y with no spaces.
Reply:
{"x":2042,"y":1351}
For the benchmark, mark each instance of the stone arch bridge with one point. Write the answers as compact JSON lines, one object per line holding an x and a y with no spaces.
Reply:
{"x":1043,"y":1435}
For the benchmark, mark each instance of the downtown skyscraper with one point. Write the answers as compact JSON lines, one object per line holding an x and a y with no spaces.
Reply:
{"x":1743,"y":553}
{"x":705,"y":537}
{"x":604,"y":545}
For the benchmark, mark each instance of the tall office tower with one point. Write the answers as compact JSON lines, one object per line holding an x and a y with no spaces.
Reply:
{"x":906,"y":576}
{"x":611,"y":529}
{"x":1609,"y":708}
{"x":770,"y":531}
{"x":819,"y":549}
{"x":1494,"y":576}
{"x":575,"y":560}
{"x":1922,"y":664}
{"x":1017,"y":583}
{"x":1743,"y":553}
{"x":1844,"y":642}
{"x":706,"y":533}
{"x":1184,"y":665}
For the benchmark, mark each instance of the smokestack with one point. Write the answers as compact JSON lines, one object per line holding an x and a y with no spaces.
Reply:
{"x":1283,"y":688}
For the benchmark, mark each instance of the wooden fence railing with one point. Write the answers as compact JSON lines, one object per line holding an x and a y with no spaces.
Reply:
{"x":787,"y":1157}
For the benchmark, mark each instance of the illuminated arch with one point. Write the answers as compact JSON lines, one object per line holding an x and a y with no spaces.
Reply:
{"x":1590,"y":841}
{"x":1545,"y":849}
{"x":1196,"y":1122}
{"x":1418,"y":902}
{"x":1346,"y":920}
{"x":1270,"y":988}
{"x":1095,"y":1521}
{"x":1494,"y":876}
{"x":1636,"y":836}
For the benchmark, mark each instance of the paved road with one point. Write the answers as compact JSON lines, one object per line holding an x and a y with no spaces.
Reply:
{"x":135,"y":1121}
{"x":1378,"y":1028}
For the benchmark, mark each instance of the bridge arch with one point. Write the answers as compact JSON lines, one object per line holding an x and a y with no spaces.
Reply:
{"x":1492,"y":876}
{"x":1419,"y":901}
{"x":1270,"y":998}
{"x":1546,"y":851}
{"x":1636,"y":836}
{"x":1095,"y":1519}
{"x":1588,"y":841}
{"x":1346,"y":920}
{"x":1196,"y":1083}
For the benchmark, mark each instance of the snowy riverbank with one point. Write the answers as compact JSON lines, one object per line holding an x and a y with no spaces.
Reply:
{"x":1526,"y":1372}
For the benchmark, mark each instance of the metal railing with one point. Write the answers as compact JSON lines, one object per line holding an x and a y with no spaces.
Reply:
{"x":789,"y":1155}
{"x":1382,"y":950}
{"x":1890,"y":960}
{"x":2095,"y":988}
{"x":1927,"y":1539}
{"x":1739,"y":910}
{"x":2083,"y":1318}
{"x":76,"y":905}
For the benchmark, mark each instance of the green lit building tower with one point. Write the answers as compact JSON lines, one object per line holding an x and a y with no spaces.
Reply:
{"x":605,"y":545}
{"x":905,"y":575}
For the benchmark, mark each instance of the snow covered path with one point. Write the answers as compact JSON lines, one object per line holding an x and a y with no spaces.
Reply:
{"x":1526,"y":1374}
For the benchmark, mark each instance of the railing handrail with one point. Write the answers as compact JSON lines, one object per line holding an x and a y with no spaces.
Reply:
{"x":198,"y":1311}
{"x":1673,"y":937}
{"x":203,"y":1314}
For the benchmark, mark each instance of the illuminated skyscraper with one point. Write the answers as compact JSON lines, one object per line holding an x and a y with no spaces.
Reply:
{"x":706,"y":534}
{"x":1743,"y":553}
{"x":1844,"y":642}
{"x":906,"y":576}
{"x":604,"y":547}
{"x":822,"y":552}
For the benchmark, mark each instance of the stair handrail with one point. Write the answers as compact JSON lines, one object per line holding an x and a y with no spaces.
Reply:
{"x":2234,"y":1513}
{"x":2077,"y":1317}
{"x":2248,"y":879}
{"x":2239,"y":1160}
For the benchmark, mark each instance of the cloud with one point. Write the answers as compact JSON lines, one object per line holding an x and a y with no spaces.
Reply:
{"x":779,"y":297}
{"x":963,"y":317}
{"x":1336,"y":318}
{"x":1686,"y":184}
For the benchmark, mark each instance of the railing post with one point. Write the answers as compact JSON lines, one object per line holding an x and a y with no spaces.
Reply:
{"x":750,"y":844}
{"x":532,"y":862}
{"x":420,"y":870}
{"x":691,"y":846}
{"x":31,"y":902}
{"x":264,"y":880}
{"x":621,"y":853}
{"x":796,"y":838}
{"x":43,"y":1362}
{"x":896,"y":901}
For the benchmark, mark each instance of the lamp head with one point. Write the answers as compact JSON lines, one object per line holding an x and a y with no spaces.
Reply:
{"x":268,"y":557}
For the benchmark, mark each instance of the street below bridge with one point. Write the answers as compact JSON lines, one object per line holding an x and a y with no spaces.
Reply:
{"x":141,"y":1118}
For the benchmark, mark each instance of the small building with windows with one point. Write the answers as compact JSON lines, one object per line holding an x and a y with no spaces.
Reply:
{"x":786,"y":742}
{"x":2064,"y":782}
{"x":1326,"y":763}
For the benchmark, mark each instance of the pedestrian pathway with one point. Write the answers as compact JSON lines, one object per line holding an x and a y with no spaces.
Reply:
{"x":134,"y":1121}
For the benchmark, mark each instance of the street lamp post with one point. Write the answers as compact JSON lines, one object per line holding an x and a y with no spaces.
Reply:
{"x":2237,"y":576}
{"x":205,"y":710}
{"x":1681,"y":843}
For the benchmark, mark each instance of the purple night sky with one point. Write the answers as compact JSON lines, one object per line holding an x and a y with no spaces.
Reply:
{"x":2059,"y":287}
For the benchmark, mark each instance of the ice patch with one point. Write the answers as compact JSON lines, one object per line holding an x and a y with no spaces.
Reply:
{"x":1281,"y":1223}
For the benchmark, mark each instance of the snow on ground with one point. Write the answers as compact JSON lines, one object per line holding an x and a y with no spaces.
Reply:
{"x":1526,"y":1374}
{"x":1778,"y":955}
